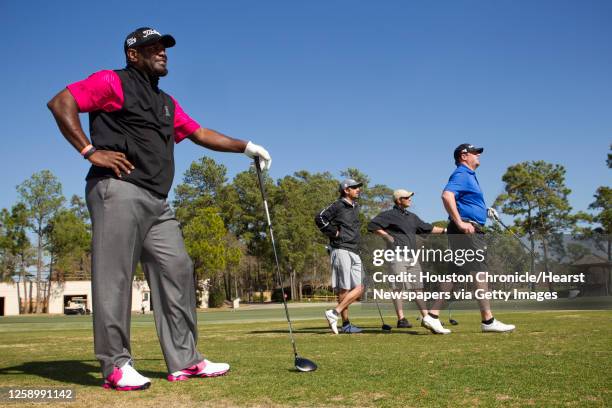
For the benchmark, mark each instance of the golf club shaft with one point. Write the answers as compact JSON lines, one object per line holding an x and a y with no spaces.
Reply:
{"x":278,"y":273}
{"x":379,"y":312}
{"x":374,"y":296}
{"x":500,"y":222}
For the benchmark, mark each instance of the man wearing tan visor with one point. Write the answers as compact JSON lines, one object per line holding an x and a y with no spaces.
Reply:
{"x":398,"y":227}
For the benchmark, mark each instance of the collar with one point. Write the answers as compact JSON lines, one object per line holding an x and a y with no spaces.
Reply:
{"x":151,"y":80}
{"x":463,"y":168}
{"x":400,"y":209}
{"x":353,"y":204}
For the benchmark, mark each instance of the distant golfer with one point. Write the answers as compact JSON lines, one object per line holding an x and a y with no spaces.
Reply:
{"x":340,"y":222}
{"x":134,"y":126}
{"x":398,"y":227}
{"x":465,"y":205}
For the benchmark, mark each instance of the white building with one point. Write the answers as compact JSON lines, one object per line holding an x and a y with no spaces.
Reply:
{"x":69,"y":295}
{"x":63,"y":294}
{"x":9,"y":301}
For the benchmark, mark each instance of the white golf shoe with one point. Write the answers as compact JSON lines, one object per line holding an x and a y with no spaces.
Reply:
{"x":332,"y":320}
{"x":497,"y":327}
{"x":126,"y":378}
{"x":204,"y":368}
{"x":434,"y":325}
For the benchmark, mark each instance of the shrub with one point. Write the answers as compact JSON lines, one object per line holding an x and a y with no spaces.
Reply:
{"x":216,"y":297}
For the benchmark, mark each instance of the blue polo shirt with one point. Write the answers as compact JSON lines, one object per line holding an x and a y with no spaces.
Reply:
{"x":470,"y":200}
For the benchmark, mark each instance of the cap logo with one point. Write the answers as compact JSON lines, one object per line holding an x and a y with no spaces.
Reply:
{"x":130,"y":41}
{"x":149,"y":32}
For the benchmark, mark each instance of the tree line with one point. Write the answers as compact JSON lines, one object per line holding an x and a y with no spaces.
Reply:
{"x":45,"y":238}
{"x":42,"y":239}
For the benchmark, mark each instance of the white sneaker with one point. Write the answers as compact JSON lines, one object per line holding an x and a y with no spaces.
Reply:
{"x":332,"y":320}
{"x":204,"y":368}
{"x":126,"y":378}
{"x":434,"y":325}
{"x":497,"y":327}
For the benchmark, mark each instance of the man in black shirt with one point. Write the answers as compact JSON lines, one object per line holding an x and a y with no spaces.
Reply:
{"x":340,"y":222}
{"x":398,"y":227}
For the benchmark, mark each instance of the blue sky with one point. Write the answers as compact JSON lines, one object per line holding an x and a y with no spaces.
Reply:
{"x":388,"y":87}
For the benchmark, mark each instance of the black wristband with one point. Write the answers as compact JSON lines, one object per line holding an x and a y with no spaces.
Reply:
{"x":89,"y":153}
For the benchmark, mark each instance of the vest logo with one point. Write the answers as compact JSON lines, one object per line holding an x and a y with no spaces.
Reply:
{"x":149,"y":32}
{"x":167,"y":111}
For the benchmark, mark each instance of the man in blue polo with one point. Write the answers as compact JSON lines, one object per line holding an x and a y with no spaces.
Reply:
{"x":467,"y":213}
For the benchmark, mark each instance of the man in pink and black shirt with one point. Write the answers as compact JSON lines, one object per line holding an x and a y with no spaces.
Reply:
{"x":133,"y":127}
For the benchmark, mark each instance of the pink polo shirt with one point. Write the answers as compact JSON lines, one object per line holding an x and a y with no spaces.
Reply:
{"x":103,"y":91}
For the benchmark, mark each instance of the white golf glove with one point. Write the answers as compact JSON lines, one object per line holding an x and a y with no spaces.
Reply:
{"x":492,"y":213}
{"x":252,"y":150}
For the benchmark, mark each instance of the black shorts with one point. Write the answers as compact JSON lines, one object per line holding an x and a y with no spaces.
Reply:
{"x":463,"y":244}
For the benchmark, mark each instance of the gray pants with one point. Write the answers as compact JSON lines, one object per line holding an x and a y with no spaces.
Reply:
{"x":132,"y":224}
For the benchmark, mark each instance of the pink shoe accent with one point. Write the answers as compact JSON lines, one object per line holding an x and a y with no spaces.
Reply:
{"x":129,"y":388}
{"x":195,"y":369}
{"x":187,"y":372}
{"x":112,"y":380}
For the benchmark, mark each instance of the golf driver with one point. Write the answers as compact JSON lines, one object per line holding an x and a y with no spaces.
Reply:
{"x":301,"y":364}
{"x":384,"y":327}
{"x":495,"y":217}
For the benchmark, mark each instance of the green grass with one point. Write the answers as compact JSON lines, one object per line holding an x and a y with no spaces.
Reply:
{"x":555,"y":358}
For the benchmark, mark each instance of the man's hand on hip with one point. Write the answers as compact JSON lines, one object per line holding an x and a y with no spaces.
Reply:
{"x":466,"y":227}
{"x":112,"y":160}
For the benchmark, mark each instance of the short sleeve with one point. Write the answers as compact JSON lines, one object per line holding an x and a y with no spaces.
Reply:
{"x":381,"y":221}
{"x":456,"y":183}
{"x":184,"y":126}
{"x":100,"y":91}
{"x":423,"y":227}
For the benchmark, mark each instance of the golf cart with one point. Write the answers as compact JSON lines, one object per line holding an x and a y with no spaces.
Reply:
{"x":76,"y":306}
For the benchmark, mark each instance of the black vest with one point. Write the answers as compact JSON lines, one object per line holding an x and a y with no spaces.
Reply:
{"x":143,"y":129}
